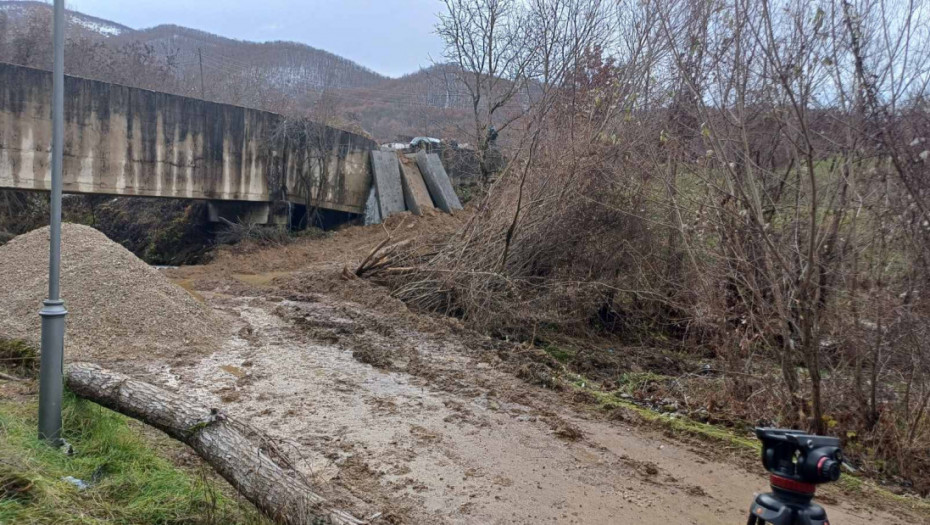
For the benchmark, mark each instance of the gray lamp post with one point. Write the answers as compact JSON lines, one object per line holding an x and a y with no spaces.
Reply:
{"x":53,"y":309}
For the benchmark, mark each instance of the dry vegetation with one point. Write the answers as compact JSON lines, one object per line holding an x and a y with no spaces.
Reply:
{"x":745,"y":179}
{"x":736,"y":179}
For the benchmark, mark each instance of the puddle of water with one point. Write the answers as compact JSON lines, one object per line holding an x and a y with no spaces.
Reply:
{"x":259,"y":279}
{"x":234,"y":370}
{"x":188,"y":286}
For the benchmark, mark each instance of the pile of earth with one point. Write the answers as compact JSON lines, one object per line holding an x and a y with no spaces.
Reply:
{"x":119,"y":308}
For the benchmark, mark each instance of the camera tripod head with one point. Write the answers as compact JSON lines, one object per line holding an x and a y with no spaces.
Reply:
{"x":800,"y":457}
{"x":798,"y":462}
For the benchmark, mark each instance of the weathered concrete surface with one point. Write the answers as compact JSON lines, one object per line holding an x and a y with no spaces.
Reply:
{"x":348,"y":171}
{"x":128,"y":141}
{"x":416,"y":195}
{"x":386,"y":171}
{"x":440,"y":187}
{"x":372,"y":209}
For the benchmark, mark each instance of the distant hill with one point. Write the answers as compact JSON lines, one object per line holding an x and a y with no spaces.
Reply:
{"x":285,"y":77}
{"x":19,"y":11}
{"x":286,"y":65}
{"x":429,"y":102}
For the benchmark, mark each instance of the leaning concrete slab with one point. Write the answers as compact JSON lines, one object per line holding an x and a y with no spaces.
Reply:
{"x":386,"y":171}
{"x":440,"y":187}
{"x":415,"y":192}
{"x":372,"y":210}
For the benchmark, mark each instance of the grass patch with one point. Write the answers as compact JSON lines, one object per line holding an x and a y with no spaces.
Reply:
{"x":631,"y":382}
{"x":561,"y":355}
{"x":739,"y":443}
{"x":683,"y":425}
{"x":128,"y":481}
{"x":18,"y":357}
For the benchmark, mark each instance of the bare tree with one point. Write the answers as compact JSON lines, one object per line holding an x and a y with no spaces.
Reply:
{"x":739,"y":175}
{"x":488,"y":45}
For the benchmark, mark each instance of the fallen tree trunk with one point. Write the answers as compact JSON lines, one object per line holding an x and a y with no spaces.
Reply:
{"x":248,"y":460}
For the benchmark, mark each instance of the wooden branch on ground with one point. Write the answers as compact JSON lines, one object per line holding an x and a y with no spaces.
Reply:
{"x":365,"y":262}
{"x":247,"y":459}
{"x":10,"y":378}
{"x":380,"y":258}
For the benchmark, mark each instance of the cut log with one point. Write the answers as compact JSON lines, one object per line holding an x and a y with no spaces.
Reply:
{"x":246,"y":458}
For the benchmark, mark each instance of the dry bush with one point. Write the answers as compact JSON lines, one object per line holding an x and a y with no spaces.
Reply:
{"x":736,"y":178}
{"x":569,"y":266}
{"x":263,"y":235}
{"x":22,"y":211}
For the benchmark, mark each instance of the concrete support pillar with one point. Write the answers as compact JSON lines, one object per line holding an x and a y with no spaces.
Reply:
{"x":246,"y":212}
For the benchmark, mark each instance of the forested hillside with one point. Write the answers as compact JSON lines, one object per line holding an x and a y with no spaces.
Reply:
{"x":285,"y":77}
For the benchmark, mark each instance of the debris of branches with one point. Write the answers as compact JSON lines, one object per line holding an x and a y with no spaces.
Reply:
{"x":381,"y":258}
{"x":236,"y":232}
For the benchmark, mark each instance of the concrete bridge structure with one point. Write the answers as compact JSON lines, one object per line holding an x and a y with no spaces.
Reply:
{"x":135,"y":142}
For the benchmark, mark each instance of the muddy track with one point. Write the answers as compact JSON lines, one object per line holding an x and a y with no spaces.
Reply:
{"x":416,"y":420}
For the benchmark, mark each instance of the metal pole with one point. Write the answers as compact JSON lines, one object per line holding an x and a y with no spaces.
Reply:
{"x":53,"y":310}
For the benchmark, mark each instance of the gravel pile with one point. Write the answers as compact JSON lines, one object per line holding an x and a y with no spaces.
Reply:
{"x":119,"y":308}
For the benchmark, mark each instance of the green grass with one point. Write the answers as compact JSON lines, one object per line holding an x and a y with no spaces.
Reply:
{"x":130,"y":483}
{"x":630,"y":382}
{"x":742,"y":444}
{"x":560,"y":354}
{"x":18,"y":357}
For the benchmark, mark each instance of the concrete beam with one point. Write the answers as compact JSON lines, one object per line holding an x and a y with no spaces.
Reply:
{"x":440,"y":187}
{"x":386,"y":171}
{"x":127,"y":141}
{"x":372,"y":209}
{"x":416,"y":195}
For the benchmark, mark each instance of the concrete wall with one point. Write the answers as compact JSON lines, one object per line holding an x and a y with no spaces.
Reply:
{"x":128,"y":141}
{"x":348,"y":176}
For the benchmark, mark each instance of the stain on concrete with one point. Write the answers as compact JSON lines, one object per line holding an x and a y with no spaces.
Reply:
{"x":386,"y":172}
{"x":416,"y":195}
{"x":128,"y":141}
{"x":440,"y":187}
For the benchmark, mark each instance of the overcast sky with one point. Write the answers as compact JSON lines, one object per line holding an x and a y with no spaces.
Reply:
{"x":392,"y":37}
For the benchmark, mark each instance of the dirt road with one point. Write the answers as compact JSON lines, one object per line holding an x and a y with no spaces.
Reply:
{"x":415,"y":419}
{"x":434,"y":432}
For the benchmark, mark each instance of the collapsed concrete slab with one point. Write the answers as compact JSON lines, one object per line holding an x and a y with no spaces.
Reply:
{"x":372,"y":209}
{"x":416,"y":193}
{"x":436,"y":179}
{"x":386,"y":171}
